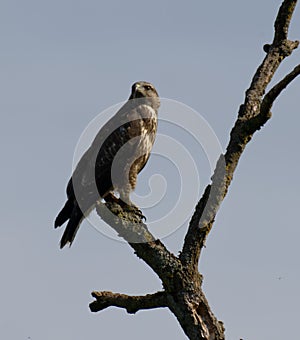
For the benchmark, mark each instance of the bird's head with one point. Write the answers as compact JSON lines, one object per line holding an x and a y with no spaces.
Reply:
{"x":143,"y":89}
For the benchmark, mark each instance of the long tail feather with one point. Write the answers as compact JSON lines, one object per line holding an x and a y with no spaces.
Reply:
{"x":64,"y":214}
{"x":72,"y":227}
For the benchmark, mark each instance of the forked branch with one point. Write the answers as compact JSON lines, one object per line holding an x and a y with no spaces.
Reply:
{"x":253,"y":114}
{"x":180,"y":277}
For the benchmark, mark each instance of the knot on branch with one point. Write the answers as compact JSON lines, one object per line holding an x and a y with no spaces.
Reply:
{"x":266,"y":48}
{"x":285,"y":47}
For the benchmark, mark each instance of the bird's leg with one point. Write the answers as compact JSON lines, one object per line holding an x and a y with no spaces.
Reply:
{"x":124,"y":203}
{"x":127,"y":205}
{"x":110,"y":197}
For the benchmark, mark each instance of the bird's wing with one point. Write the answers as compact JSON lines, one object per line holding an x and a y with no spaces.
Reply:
{"x":126,"y":124}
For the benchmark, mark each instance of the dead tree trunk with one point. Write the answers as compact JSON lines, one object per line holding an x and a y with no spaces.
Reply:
{"x":182,"y":292}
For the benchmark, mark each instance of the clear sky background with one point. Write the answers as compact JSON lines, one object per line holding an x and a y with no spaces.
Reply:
{"x":62,"y":63}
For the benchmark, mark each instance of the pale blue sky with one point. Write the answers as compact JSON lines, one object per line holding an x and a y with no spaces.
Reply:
{"x":63,"y":62}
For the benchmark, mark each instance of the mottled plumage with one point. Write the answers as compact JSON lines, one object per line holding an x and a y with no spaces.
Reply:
{"x":118,"y":153}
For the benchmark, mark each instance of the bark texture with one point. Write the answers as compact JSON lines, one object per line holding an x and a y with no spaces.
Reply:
{"x":182,"y":292}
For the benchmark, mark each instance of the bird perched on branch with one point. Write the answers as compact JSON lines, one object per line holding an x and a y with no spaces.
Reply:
{"x":118,"y":153}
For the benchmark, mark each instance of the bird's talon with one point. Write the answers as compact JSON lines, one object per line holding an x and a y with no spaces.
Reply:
{"x":140,"y":215}
{"x":135,"y":210}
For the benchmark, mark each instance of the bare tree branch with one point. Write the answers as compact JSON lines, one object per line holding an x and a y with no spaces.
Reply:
{"x":180,"y":277}
{"x":176,"y":280}
{"x":249,"y":120}
{"x":259,"y":120}
{"x":275,"y":91}
{"x":283,"y":20}
{"x":131,"y":303}
{"x":135,"y":232}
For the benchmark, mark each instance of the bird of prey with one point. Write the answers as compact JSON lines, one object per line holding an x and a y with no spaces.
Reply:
{"x":118,"y":153}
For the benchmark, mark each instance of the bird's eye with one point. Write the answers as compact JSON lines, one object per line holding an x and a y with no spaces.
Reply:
{"x":148,"y":87}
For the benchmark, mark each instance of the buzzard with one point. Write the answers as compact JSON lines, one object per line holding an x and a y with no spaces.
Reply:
{"x":118,"y":153}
